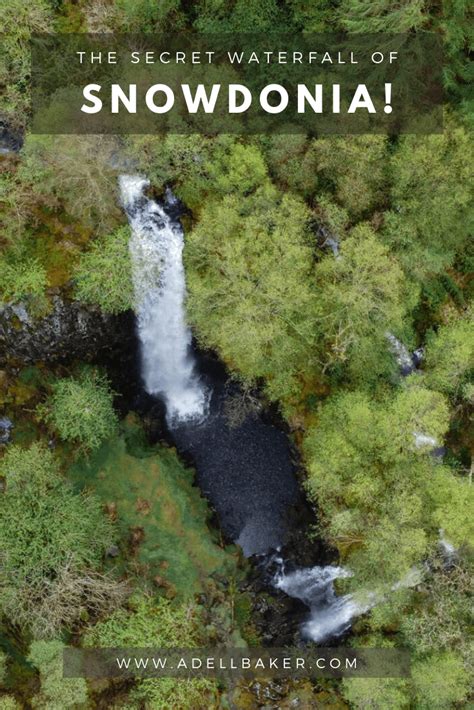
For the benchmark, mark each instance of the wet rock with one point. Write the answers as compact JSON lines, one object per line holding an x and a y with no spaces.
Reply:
{"x":6,"y":426}
{"x":10,"y":142}
{"x":272,"y":690}
{"x":69,"y":330}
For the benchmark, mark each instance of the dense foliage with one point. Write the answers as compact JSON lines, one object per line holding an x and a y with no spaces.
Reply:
{"x":55,"y":691}
{"x":52,"y":542}
{"x":305,"y":256}
{"x":103,"y":274}
{"x":81,"y":409}
{"x":156,"y":623}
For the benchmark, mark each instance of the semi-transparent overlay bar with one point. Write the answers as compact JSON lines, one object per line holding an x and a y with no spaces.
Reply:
{"x":246,"y":84}
{"x":235,"y":663}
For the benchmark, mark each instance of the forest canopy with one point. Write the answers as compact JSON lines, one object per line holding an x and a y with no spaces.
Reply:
{"x":332,"y":277}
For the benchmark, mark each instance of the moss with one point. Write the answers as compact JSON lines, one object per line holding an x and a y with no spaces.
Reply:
{"x":154,"y":500}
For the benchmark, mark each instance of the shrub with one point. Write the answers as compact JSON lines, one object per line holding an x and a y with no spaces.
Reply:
{"x":81,"y":410}
{"x":51,"y":542}
{"x":103,"y":275}
{"x":22,"y":280}
{"x":56,"y":691}
{"x":159,"y":623}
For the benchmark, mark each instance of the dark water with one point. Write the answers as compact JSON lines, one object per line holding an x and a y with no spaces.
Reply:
{"x":247,"y":472}
{"x":245,"y":464}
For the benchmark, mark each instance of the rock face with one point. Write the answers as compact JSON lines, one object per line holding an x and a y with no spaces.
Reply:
{"x":69,"y":331}
{"x":10,"y":142}
{"x":6,"y":425}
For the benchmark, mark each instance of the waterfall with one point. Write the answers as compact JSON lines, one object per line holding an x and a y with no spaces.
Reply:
{"x":330,"y":615}
{"x":156,"y":248}
{"x":405,"y":360}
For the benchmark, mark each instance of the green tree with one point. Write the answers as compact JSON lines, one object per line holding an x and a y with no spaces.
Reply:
{"x":377,"y":490}
{"x":382,"y":15}
{"x":52,"y":541}
{"x":456,"y":22}
{"x":56,"y":691}
{"x":376,"y":693}
{"x":243,"y":16}
{"x":292,"y":162}
{"x":450,"y":355}
{"x":355,"y":168}
{"x":441,"y":680}
{"x":81,"y":409}
{"x":249,"y":265}
{"x":240,"y":170}
{"x":103,"y":274}
{"x":146,"y":16}
{"x":441,"y":611}
{"x":23,"y":280}
{"x":360,"y":296}
{"x":314,"y":16}
{"x":432,"y":215}
{"x":453,"y":500}
{"x":182,"y":161}
{"x":157,"y":622}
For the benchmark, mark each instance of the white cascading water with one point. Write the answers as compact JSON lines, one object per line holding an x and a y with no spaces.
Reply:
{"x":156,"y":248}
{"x":330,"y":615}
{"x":402,"y":355}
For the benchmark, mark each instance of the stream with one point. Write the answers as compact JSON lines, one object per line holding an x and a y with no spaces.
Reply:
{"x":246,"y":469}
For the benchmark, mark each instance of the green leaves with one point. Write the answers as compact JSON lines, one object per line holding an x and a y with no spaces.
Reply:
{"x":103,"y":274}
{"x":249,"y":269}
{"x":432,"y":213}
{"x":373,"y":485}
{"x":450,"y":355}
{"x":441,"y":680}
{"x":382,"y":15}
{"x":81,"y":410}
{"x":22,"y":280}
{"x":356,"y":168}
{"x":359,"y":296}
{"x":49,"y":537}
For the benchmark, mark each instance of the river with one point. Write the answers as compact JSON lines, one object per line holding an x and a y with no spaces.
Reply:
{"x":247,"y":468}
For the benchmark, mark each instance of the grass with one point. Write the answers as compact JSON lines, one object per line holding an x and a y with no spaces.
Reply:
{"x":151,"y":490}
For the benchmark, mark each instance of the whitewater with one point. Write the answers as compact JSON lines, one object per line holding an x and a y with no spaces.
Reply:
{"x":156,"y":246}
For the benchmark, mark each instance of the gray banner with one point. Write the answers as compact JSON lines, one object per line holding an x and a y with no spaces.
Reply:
{"x":247,"y":84}
{"x":236,"y":662}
